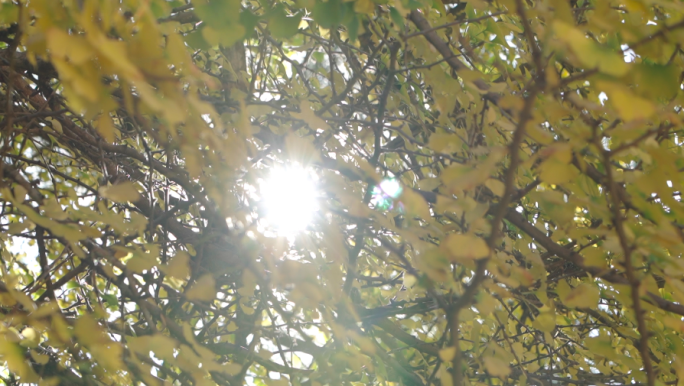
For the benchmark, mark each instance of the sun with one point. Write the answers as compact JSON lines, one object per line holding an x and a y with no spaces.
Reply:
{"x":290,"y":199}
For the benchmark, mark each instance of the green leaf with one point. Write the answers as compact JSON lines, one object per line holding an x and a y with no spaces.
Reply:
{"x":397,"y":18}
{"x":283,"y":26}
{"x":656,"y":81}
{"x":196,"y":41}
{"x":328,"y":14}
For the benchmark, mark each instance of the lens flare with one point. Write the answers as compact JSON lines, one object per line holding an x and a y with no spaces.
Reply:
{"x":290,"y":199}
{"x":385,"y":193}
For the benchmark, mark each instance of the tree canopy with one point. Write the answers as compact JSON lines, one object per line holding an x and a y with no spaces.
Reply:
{"x":492,"y":192}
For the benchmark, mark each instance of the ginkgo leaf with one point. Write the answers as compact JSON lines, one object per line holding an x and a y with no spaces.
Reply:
{"x":496,"y":366}
{"x":582,"y":296}
{"x":283,"y":26}
{"x":415,"y":204}
{"x":545,"y":321}
{"x":465,"y":247}
{"x":447,"y":354}
{"x":589,"y":52}
{"x":178,"y":267}
{"x":204,"y":289}
{"x":122,"y":192}
{"x":105,"y":127}
{"x":364,"y":6}
{"x":40,"y":358}
{"x":553,"y":171}
{"x":629,"y":106}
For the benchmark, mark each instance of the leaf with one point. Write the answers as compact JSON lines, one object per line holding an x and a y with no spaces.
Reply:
{"x":656,"y":81}
{"x":486,"y":304}
{"x":179,"y":266}
{"x":629,"y":106}
{"x":105,"y":127}
{"x":41,"y":359}
{"x":397,"y":18}
{"x":89,"y":332}
{"x":600,"y":346}
{"x":497,"y":187}
{"x":582,"y":296}
{"x":415,"y":204}
{"x":249,"y":283}
{"x":329,"y":13}
{"x":553,"y":171}
{"x":72,"y":47}
{"x":445,"y":142}
{"x":224,"y":36}
{"x":447,"y":354}
{"x":545,"y":322}
{"x":465,"y":247}
{"x":283,"y":26}
{"x":309,"y":116}
{"x":122,"y":192}
{"x":496,"y":367}
{"x":589,"y":53}
{"x":203,"y":290}
{"x":364,"y":6}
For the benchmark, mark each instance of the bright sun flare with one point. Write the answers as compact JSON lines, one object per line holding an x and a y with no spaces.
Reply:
{"x":290,"y":199}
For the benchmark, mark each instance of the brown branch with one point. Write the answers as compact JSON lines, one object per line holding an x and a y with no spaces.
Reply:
{"x":627,"y":249}
{"x":531,"y":41}
{"x":453,"y":23}
{"x":480,"y":268}
{"x":610,"y":275}
{"x":443,"y":48}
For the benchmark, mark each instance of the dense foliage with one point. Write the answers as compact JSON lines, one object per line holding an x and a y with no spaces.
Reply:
{"x":498,"y":192}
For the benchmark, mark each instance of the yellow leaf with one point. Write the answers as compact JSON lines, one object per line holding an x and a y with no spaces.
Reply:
{"x":486,"y":304}
{"x":13,"y":355}
{"x":552,"y":171}
{"x":115,"y":52}
{"x":141,"y":262}
{"x":545,"y":322}
{"x":19,"y":193}
{"x":595,"y":257}
{"x":496,"y":366}
{"x":31,"y":337}
{"x":447,"y":354}
{"x":582,"y":296}
{"x":409,"y":280}
{"x":497,"y":187}
{"x":629,"y":106}
{"x":249,"y":283}
{"x":203,"y":290}
{"x":56,"y":125}
{"x":675,"y":324}
{"x":465,"y":247}
{"x":72,"y":47}
{"x":41,"y":359}
{"x":563,"y":289}
{"x":415,"y":204}
{"x":590,"y":53}
{"x":308,"y":116}
{"x":179,"y":267}
{"x":105,"y":127}
{"x":88,"y":331}
{"x":364,"y":6}
{"x":123,"y":192}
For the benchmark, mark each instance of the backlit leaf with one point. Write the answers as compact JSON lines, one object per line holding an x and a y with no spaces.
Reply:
{"x":123,"y":192}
